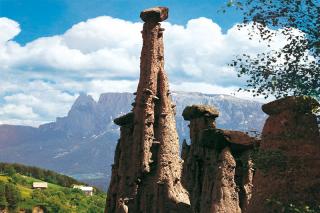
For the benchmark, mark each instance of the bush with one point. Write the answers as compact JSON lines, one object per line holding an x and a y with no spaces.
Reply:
{"x":3,"y":200}
{"x":69,"y":200}
{"x":279,"y":207}
{"x":9,"y":170}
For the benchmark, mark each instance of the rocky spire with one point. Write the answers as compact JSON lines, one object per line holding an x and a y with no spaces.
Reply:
{"x":217,"y":170}
{"x":147,"y":170}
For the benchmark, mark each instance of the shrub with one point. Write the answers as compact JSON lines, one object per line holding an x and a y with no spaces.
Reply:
{"x":13,"y":195}
{"x":3,"y":200}
{"x":279,"y":207}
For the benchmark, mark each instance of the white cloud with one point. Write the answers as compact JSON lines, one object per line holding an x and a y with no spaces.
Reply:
{"x":9,"y":29}
{"x":21,"y":111}
{"x":36,"y":100}
{"x":39,"y":81}
{"x":104,"y":33}
{"x":201,"y":51}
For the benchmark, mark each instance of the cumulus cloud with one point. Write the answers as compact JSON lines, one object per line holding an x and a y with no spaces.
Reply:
{"x":37,"y":100}
{"x":40,"y":80}
{"x":9,"y":29}
{"x":17,"y":111}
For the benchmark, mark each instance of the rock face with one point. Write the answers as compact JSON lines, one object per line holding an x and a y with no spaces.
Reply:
{"x":291,"y":142}
{"x":146,"y":175}
{"x":217,"y":169}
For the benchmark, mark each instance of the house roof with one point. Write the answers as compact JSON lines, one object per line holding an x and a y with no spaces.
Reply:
{"x":83,"y":188}
{"x":40,"y":184}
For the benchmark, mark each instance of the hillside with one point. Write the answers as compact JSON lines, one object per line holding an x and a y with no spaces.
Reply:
{"x":82,"y":143}
{"x":38,"y":173}
{"x":16,"y":193}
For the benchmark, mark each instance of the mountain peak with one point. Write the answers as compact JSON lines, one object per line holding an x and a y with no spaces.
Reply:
{"x":83,"y":102}
{"x":84,"y":98}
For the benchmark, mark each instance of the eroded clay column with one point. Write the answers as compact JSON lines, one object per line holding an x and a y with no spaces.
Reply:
{"x":154,"y":119}
{"x":122,"y":188}
{"x":151,"y":62}
{"x":146,"y":176}
{"x":217,"y":168}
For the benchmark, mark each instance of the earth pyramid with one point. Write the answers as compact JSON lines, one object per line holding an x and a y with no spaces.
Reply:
{"x":146,"y":175}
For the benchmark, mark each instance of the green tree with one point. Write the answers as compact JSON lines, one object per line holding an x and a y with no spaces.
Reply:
{"x":292,"y":70}
{"x":3,"y":200}
{"x":9,"y":170}
{"x":13,"y":195}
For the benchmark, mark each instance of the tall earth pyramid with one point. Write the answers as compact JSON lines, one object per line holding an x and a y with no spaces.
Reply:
{"x":146,"y":175}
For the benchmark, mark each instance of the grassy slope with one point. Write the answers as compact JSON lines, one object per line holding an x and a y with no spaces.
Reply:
{"x":66,"y":195}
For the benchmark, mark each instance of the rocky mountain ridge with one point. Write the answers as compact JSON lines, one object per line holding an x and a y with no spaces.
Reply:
{"x":82,"y":143}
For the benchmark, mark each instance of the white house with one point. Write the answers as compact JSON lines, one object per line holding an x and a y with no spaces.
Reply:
{"x":88,"y":190}
{"x":40,"y":185}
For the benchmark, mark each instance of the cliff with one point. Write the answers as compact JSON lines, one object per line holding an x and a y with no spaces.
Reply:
{"x":288,"y":161}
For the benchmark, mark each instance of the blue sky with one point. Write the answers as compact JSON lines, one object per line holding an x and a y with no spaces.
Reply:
{"x":52,"y":50}
{"x":40,"y":18}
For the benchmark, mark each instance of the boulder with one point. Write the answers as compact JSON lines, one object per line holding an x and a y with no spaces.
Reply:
{"x":155,"y":14}
{"x":196,"y":111}
{"x":300,"y":104}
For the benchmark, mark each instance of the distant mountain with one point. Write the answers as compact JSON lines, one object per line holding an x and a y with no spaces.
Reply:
{"x":82,"y":144}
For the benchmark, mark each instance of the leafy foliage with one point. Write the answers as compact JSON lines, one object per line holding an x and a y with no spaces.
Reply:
{"x":9,"y":169}
{"x":9,"y":196}
{"x":68,"y":200}
{"x":279,"y":207}
{"x":294,"y":69}
{"x":3,"y":200}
